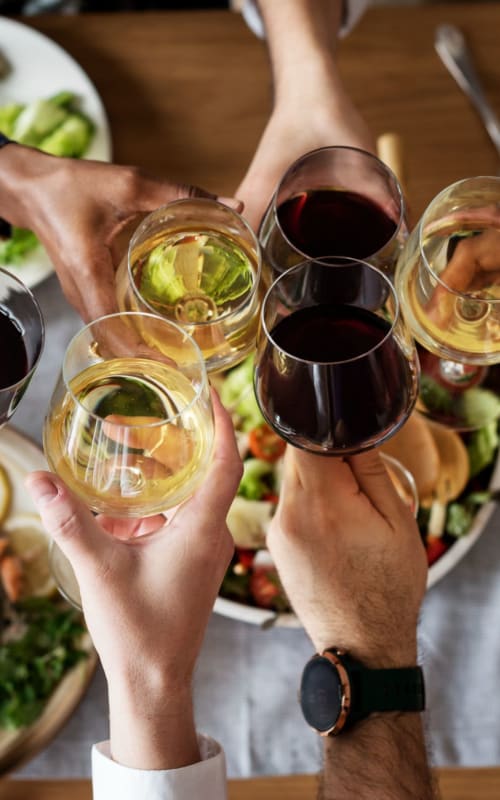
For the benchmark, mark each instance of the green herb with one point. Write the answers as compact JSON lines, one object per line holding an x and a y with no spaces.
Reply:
{"x":257,"y":480}
{"x":14,"y":249}
{"x":435,"y":397}
{"x":460,"y":516}
{"x":481,"y":448}
{"x":32,"y":666}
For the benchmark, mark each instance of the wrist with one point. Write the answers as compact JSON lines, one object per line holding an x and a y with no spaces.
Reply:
{"x":373,"y":655}
{"x":152,"y":729}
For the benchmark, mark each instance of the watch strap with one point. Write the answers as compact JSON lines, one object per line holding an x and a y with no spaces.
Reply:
{"x":4,"y":140}
{"x":373,"y":690}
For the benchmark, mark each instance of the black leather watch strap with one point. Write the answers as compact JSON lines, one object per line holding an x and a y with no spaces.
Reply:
{"x":374,"y":690}
{"x":4,"y":140}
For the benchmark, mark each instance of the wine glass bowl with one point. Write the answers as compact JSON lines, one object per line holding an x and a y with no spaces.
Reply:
{"x":448,"y":275}
{"x":448,"y":282}
{"x":336,"y":370}
{"x":197,"y":262}
{"x":335,"y":201}
{"x":130,"y":424}
{"x":22,"y":336}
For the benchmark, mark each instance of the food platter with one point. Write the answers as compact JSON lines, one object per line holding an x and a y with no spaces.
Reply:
{"x":18,"y":456}
{"x":38,"y":68}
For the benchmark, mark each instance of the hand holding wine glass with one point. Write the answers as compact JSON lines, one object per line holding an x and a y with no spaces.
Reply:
{"x":130,"y":426}
{"x":147,"y":600}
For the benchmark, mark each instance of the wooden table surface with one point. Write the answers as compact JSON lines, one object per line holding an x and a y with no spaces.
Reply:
{"x":455,"y":784}
{"x":187,"y":93}
{"x":187,"y":96}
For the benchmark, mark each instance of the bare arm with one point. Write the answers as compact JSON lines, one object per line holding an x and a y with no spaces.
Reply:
{"x":351,"y":560}
{"x":311,"y":106}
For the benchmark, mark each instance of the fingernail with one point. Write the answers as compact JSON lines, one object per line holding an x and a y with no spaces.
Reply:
{"x":42,"y":490}
{"x":231,"y":202}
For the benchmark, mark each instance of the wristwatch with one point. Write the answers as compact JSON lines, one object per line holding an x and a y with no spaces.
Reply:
{"x":4,"y":139}
{"x":336,"y":691}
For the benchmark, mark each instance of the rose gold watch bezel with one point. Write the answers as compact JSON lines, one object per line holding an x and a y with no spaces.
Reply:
{"x":345,"y":703}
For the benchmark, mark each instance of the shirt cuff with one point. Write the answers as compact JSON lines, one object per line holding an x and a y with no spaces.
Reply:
{"x":353,"y":11}
{"x":206,"y":779}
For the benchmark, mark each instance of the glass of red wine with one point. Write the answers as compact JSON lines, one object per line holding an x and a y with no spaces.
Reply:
{"x":336,"y":369}
{"x":21,"y":335}
{"x":335,"y":201}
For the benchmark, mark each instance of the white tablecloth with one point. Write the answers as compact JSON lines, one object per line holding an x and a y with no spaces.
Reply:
{"x":246,"y":682}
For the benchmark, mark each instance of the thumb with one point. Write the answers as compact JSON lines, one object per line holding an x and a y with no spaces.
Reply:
{"x":375,"y":482}
{"x":68,"y":521}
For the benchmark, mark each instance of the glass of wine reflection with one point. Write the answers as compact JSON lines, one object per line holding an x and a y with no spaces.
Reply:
{"x":335,"y":201}
{"x":336,"y":369}
{"x":130,"y":424}
{"x":22,"y":336}
{"x":448,"y":281}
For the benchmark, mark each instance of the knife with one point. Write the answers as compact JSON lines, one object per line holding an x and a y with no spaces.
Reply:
{"x":451,"y":47}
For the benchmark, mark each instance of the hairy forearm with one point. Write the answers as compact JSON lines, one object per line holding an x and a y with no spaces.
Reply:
{"x":301,"y":37}
{"x":381,"y":758}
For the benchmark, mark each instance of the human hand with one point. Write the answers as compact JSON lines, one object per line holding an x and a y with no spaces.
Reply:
{"x":350,"y":556}
{"x":322,"y":116}
{"x":147,"y":601}
{"x":78,"y":210}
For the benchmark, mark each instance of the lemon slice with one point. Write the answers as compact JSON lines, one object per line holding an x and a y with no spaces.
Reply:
{"x":30,"y":542}
{"x":5,"y":494}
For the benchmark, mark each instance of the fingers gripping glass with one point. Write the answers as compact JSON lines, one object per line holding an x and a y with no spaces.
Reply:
{"x":336,"y":370}
{"x":130,"y":425}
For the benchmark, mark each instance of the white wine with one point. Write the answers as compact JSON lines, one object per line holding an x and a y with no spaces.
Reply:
{"x":132,"y":436}
{"x":205,"y":281}
{"x":449,"y":287}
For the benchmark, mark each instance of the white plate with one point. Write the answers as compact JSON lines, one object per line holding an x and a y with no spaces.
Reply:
{"x":19,"y":456}
{"x":265,"y":618}
{"x":41,"y":68}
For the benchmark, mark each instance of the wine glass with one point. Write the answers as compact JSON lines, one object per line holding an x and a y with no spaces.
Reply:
{"x":335,"y":201}
{"x":336,"y":369}
{"x":197,"y":262}
{"x":448,"y":281}
{"x":22,"y":337}
{"x":403,"y":481}
{"x":130,"y":424}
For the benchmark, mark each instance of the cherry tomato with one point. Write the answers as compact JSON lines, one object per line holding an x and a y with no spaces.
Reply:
{"x":264,"y":443}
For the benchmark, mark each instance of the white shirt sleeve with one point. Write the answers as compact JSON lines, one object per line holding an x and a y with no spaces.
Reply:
{"x":206,"y":779}
{"x":353,"y":11}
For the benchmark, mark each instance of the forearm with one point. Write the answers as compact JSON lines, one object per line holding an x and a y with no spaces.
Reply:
{"x":152,"y":731}
{"x":301,"y":37}
{"x":381,"y":758}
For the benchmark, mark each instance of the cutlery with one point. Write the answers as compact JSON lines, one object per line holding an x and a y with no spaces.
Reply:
{"x":452,"y":48}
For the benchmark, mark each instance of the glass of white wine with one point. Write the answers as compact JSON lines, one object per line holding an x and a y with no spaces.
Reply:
{"x":197,"y":262}
{"x":130,"y":424}
{"x":448,"y":282}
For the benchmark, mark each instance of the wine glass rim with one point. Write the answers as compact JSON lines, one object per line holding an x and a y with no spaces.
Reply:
{"x":212,"y":202}
{"x":36,"y":306}
{"x":376,"y":159}
{"x":325,"y":263}
{"x":490,"y":301}
{"x":157,"y":319}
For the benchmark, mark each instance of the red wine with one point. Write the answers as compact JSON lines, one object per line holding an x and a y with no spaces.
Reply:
{"x":349,"y":404}
{"x":14,"y":364}
{"x":330,"y":222}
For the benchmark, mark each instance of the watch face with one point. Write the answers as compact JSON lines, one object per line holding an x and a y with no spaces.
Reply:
{"x":320,"y":694}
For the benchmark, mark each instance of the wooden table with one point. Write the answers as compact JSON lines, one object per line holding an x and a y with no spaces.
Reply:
{"x":455,"y":784}
{"x":188,"y":93}
{"x":187,"y":96}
